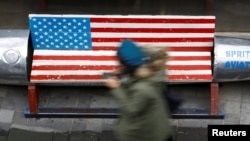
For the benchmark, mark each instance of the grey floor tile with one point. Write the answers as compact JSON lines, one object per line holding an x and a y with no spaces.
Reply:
{"x":5,"y":126}
{"x":61,"y":137}
{"x":107,"y":135}
{"x":16,"y":98}
{"x":44,"y":95}
{"x":6,"y":116}
{"x":94,"y":124}
{"x":232,"y":107}
{"x":3,"y":138}
{"x":195,"y":123}
{"x":245,"y":114}
{"x":19,"y":118}
{"x":1,"y":101}
{"x":245,"y":92}
{"x":3,"y":90}
{"x":231,"y":91}
{"x":191,"y":134}
{"x":79,"y":124}
{"x":58,"y":124}
{"x":84,"y":136}
{"x":24,"y":135}
{"x":3,"y":135}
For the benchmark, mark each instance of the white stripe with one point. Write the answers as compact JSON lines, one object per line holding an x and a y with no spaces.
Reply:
{"x":166,"y":44}
{"x":107,"y":53}
{"x":123,"y":16}
{"x":99,"y":72}
{"x":109,"y":63}
{"x":75,"y":62}
{"x":100,"y":81}
{"x":177,"y":53}
{"x":74,"y":52}
{"x":188,"y":72}
{"x":73,"y":81}
{"x":150,"y":35}
{"x":151,"y":25}
{"x":179,"y":63}
{"x":67,"y":72}
{"x":154,"y":16}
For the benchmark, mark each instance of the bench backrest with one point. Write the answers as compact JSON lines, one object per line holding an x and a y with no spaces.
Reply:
{"x":79,"y":48}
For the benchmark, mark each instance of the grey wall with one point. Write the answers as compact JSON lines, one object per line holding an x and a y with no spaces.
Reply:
{"x":232,"y":15}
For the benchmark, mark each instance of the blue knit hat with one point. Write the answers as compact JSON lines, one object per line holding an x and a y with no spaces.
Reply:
{"x":130,"y":54}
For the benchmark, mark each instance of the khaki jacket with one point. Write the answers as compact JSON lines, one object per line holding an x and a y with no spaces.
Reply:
{"x":144,"y":114}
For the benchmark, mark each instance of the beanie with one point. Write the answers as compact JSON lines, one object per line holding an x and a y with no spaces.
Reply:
{"x":130,"y":54}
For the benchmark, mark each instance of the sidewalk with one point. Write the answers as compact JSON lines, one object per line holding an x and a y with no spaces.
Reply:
{"x":182,"y":134}
{"x":15,"y":127}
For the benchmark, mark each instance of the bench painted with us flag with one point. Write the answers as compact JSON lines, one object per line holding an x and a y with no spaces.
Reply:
{"x":77,"y":49}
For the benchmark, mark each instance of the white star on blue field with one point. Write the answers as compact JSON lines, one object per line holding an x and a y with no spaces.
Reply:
{"x":62,"y":33}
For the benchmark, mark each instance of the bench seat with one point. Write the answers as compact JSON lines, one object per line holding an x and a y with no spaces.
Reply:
{"x":74,"y":66}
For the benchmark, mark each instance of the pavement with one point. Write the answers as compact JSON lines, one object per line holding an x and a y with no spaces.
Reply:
{"x":16,"y":134}
{"x":14,"y":126}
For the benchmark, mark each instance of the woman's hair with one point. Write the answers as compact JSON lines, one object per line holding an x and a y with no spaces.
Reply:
{"x":158,"y":56}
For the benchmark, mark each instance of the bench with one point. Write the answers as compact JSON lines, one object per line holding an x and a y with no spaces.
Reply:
{"x":77,"y":49}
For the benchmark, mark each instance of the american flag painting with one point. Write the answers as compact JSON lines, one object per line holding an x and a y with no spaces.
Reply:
{"x":79,"y":48}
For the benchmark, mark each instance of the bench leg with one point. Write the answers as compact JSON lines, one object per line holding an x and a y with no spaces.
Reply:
{"x":33,"y":99}
{"x":214,"y":98}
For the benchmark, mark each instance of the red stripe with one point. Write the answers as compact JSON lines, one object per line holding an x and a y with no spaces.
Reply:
{"x":94,"y":77}
{"x":55,"y":57}
{"x":65,"y":77}
{"x":188,"y":58}
{"x":188,"y":67}
{"x":78,"y":67}
{"x":179,"y":48}
{"x":170,"y":48}
{"x":198,"y":48}
{"x":155,"y":30}
{"x":190,"y":77}
{"x":102,"y":39}
{"x":149,"y":20}
{"x":74,"y":67}
{"x":111,"y":48}
{"x":104,"y":58}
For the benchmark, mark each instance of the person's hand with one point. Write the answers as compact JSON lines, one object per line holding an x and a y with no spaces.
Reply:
{"x":112,"y":82}
{"x":118,"y":72}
